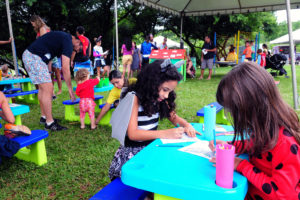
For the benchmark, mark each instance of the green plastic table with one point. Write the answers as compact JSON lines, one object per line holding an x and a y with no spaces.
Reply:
{"x":173,"y":174}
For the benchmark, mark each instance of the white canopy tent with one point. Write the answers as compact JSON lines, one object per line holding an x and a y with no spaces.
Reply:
{"x":158,"y":40}
{"x":285,"y":38}
{"x":215,"y":7}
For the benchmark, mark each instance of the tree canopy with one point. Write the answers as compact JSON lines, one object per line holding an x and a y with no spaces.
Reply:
{"x":97,"y":16}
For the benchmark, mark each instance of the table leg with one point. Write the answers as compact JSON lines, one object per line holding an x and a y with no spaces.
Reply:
{"x":163,"y":197}
{"x":18,"y":120}
{"x":70,"y":113}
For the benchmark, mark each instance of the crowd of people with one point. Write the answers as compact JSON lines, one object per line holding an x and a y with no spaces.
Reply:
{"x":270,"y":133}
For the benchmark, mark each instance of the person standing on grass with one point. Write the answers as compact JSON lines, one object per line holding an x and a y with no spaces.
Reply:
{"x":207,"y":57}
{"x":136,"y":59}
{"x":248,"y":51}
{"x":127,"y":51}
{"x":36,"y":58}
{"x":164,"y":44}
{"x":85,"y":90}
{"x":84,"y":53}
{"x":41,"y":28}
{"x":99,"y":58}
{"x":146,"y":49}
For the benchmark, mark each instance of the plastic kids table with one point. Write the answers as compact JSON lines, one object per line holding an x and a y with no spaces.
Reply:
{"x":172,"y":174}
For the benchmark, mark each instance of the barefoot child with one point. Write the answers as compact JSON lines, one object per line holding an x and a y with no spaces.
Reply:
{"x":85,"y":90}
{"x":268,"y":130}
{"x":152,"y":98}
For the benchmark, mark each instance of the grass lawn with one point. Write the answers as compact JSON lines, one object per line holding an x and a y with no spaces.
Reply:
{"x":78,"y":161}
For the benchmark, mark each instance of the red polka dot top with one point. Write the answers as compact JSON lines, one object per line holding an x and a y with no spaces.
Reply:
{"x":274,"y":174}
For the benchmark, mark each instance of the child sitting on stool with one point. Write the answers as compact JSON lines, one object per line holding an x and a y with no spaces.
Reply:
{"x":85,"y":90}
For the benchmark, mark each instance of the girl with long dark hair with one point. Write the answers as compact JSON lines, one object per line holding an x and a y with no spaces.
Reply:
{"x":153,"y":99}
{"x":266,"y":128}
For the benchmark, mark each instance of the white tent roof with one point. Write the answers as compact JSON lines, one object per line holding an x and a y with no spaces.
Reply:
{"x":215,"y":7}
{"x":285,"y":38}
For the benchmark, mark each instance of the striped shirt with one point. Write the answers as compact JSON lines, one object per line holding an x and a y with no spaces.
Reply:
{"x":144,"y":123}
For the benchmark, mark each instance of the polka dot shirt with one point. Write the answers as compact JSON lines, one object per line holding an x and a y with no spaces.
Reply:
{"x":274,"y":174}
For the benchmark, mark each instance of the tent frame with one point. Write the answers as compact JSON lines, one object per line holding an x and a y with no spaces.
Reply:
{"x":241,"y":9}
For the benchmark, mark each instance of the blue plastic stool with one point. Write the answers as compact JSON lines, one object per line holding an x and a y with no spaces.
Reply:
{"x":37,"y":152}
{"x":116,"y":190}
{"x":13,"y":90}
{"x":220,"y":116}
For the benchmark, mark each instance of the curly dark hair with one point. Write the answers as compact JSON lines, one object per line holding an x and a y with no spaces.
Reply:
{"x":147,"y":89}
{"x":128,"y":44}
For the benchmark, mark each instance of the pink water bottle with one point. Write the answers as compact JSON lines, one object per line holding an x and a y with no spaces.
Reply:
{"x":224,"y":165}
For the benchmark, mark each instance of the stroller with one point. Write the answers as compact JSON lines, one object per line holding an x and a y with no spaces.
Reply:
{"x":276,"y":64}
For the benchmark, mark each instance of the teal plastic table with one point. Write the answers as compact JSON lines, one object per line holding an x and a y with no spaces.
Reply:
{"x":18,"y":110}
{"x":7,"y":81}
{"x":102,"y":89}
{"x":172,"y":174}
{"x":26,"y":86}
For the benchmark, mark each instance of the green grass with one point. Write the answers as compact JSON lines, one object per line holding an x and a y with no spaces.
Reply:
{"x":78,"y":161}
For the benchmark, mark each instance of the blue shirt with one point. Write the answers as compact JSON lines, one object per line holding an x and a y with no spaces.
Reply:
{"x":146,"y":48}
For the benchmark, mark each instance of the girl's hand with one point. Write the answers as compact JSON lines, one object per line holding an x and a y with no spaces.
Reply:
{"x":237,"y":161}
{"x":190,"y":131}
{"x":212,"y":146}
{"x":174,"y":133}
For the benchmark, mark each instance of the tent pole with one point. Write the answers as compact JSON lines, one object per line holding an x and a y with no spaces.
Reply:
{"x":12,"y":36}
{"x":117,"y":36}
{"x":181,"y":26}
{"x":292,"y":53}
{"x":238,"y":47}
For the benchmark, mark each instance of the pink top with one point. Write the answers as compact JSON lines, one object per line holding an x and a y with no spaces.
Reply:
{"x":125,"y":51}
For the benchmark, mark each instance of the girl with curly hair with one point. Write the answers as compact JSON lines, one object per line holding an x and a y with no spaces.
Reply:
{"x":154,"y":99}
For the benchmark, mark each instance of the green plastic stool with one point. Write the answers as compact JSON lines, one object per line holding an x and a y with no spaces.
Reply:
{"x":36,"y":154}
{"x":100,"y":84}
{"x":220,"y":118}
{"x":106,"y":118}
{"x":106,"y":82}
{"x":70,"y":113}
{"x":163,"y":197}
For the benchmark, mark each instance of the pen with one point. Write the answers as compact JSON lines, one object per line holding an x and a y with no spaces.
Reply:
{"x":169,"y":145}
{"x":215,"y":142}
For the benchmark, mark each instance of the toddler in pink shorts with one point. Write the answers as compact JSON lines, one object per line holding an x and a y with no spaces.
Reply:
{"x":85,"y":90}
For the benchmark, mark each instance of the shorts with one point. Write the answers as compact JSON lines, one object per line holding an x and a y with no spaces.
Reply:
{"x":145,"y":61}
{"x":127,"y":60}
{"x":100,"y":63}
{"x":37,"y":69}
{"x":87,"y":105}
{"x":207,"y":63}
{"x":56,"y":63}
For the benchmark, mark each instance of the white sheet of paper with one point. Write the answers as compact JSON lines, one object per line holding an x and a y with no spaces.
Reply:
{"x":220,"y":129}
{"x":199,"y":148}
{"x":106,"y":52}
{"x":185,"y":138}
